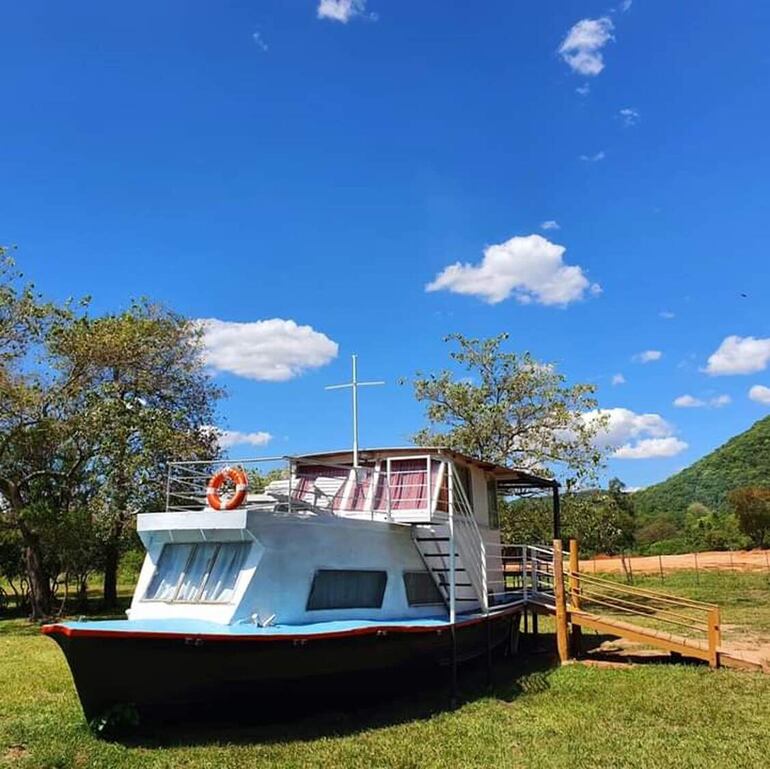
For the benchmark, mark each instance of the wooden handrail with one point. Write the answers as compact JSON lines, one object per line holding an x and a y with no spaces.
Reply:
{"x":650,"y":608}
{"x":643,"y":591}
{"x":585,"y":589}
{"x":612,"y":603}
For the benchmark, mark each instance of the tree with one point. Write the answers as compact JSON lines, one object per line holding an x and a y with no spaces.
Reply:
{"x":603,"y":521}
{"x":91,"y":412}
{"x":707,"y":529}
{"x":41,"y":455}
{"x":659,"y":530}
{"x":149,"y":401}
{"x":510,"y":409}
{"x":752,"y":509}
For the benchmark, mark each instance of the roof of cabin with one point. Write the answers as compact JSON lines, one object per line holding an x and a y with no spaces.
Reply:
{"x":508,"y":478}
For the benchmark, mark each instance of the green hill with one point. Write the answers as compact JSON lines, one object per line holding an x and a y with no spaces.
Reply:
{"x":743,"y":461}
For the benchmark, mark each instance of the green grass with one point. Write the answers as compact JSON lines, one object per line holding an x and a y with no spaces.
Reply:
{"x":536,"y":715}
{"x":650,"y":716}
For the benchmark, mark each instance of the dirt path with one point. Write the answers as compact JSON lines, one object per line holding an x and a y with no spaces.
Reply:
{"x":741,"y":560}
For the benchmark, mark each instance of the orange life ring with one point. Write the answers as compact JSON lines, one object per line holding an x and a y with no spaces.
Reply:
{"x":238,"y":477}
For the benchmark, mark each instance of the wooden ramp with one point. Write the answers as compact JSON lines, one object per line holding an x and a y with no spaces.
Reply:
{"x":661,"y":620}
{"x":689,"y":647}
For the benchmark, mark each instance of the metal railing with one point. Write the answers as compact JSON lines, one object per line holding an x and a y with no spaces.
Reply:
{"x":408,"y":488}
{"x":187,"y":482}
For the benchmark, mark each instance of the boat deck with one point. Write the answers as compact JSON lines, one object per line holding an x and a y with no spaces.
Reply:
{"x":192,"y":628}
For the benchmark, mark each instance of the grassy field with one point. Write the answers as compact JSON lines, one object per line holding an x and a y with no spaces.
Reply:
{"x":536,"y":715}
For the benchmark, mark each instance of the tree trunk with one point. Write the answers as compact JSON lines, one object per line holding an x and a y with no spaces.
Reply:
{"x":39,"y":584}
{"x":111,"y":558}
{"x":40,"y":597}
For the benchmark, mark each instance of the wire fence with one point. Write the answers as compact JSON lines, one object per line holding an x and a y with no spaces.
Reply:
{"x":665,"y":566}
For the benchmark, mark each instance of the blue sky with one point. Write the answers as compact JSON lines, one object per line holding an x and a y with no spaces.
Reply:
{"x":257,"y":160}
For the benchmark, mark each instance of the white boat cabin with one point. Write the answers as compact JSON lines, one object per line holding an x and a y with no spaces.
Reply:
{"x":408,"y":533}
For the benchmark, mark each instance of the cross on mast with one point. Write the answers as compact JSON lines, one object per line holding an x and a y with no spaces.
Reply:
{"x":354,"y":385}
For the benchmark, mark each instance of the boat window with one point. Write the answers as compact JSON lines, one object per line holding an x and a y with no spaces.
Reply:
{"x":492,"y":508}
{"x":168,"y":572}
{"x":191,"y":573}
{"x":220,"y":585}
{"x":464,"y":474}
{"x":421,"y":589}
{"x":196,"y":571}
{"x":347,"y":589}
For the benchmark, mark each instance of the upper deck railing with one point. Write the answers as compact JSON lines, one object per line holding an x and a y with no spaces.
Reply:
{"x":404,"y":488}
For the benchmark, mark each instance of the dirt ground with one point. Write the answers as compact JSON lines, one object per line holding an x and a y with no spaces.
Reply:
{"x":741,"y":560}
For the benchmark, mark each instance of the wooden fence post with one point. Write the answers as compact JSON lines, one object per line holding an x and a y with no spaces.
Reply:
{"x":562,"y":641}
{"x":574,"y":594}
{"x":715,"y":636}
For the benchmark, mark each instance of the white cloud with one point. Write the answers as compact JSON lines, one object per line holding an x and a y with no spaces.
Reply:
{"x":228,"y":438}
{"x":629,"y":116}
{"x":652,"y":448}
{"x":625,"y":5}
{"x":581,"y":49}
{"x":259,"y":41}
{"x":584,"y":89}
{"x":530,"y":268}
{"x":688,"y":402}
{"x":340,"y":10}
{"x":268,"y":350}
{"x":600,"y":155}
{"x":618,"y":379}
{"x":635,"y":436}
{"x":666,"y":314}
{"x":550,"y":224}
{"x":760,"y":394}
{"x":691,"y":402}
{"x":647,"y":356}
{"x":739,"y":355}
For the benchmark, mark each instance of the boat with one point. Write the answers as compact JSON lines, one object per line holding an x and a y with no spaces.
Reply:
{"x":346,"y":571}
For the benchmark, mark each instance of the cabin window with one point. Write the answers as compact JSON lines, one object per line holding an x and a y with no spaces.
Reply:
{"x":197,"y":573}
{"x":492,"y":508}
{"x":347,"y":589}
{"x":464,"y":474}
{"x":220,"y":585}
{"x":421,"y":589}
{"x":168,"y":572}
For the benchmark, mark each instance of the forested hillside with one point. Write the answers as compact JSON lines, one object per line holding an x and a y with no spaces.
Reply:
{"x":743,"y":461}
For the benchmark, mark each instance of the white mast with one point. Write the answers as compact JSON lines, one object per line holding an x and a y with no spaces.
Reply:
{"x":354,"y":385}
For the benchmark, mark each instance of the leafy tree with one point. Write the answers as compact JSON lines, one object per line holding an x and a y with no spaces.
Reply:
{"x":42,"y":453}
{"x":91,"y":412}
{"x":526,"y":520}
{"x":659,"y":530}
{"x":12,"y":564}
{"x":148,"y":401}
{"x":602,"y":521}
{"x":707,"y":529}
{"x":259,"y":481}
{"x":510,"y":409}
{"x":752,"y":510}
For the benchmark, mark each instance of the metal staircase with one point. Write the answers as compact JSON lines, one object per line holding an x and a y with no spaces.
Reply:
{"x":433,"y":545}
{"x":468,"y":576}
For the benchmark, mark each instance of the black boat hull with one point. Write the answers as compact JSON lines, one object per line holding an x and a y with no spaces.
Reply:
{"x":173,"y":676}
